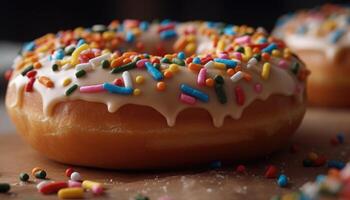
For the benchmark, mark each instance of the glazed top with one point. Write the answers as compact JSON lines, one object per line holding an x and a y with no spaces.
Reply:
{"x":166,"y":65}
{"x":325,"y":28}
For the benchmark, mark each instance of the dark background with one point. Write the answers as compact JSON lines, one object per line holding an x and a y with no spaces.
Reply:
{"x":26,"y":20}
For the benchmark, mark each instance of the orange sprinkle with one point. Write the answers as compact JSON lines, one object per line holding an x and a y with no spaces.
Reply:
{"x":265,"y":56}
{"x":256,"y":50}
{"x":35,"y":169}
{"x":247,"y":76}
{"x":129,"y":53}
{"x":126,"y":60}
{"x":195,"y":67}
{"x":230,"y":71}
{"x":334,"y":173}
{"x":168,"y":74}
{"x":209,"y":82}
{"x":37,"y":65}
{"x":117,"y":62}
{"x":161,"y":86}
{"x":238,"y":68}
{"x":180,"y":44}
{"x":46,"y":81}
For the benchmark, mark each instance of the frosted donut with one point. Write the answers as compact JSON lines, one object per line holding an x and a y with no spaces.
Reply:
{"x":91,"y":97}
{"x":321,"y":38}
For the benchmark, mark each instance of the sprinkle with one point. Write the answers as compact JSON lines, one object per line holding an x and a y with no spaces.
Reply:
{"x":283,"y":64}
{"x":71,"y":193}
{"x":58,"y":54}
{"x":219,"y":89}
{"x":101,"y":59}
{"x":187,"y":99}
{"x":210,"y":65}
{"x":37,"y":65}
{"x":74,"y":184}
{"x":229,"y":63}
{"x":269,"y":48}
{"x":282,"y":180}
{"x":83,"y":66}
{"x":141,"y":197}
{"x":335,"y":164}
{"x":29,"y":85}
{"x":240,"y":97}
{"x":87,"y":184}
{"x":80,"y":73}
{"x":168,"y":34}
{"x":155,"y":73}
{"x":257,"y":87}
{"x":35,"y":169}
{"x":265,"y":73}
{"x":66,"y":82}
{"x":81,"y":42}
{"x":237,"y":76}
{"x":161,"y":86}
{"x":23,"y":177}
{"x":97,"y":190}
{"x":75,"y":176}
{"x":144,"y":25}
{"x":202,"y":75}
{"x":243,"y":40}
{"x":30,"y":46}
{"x":53,"y":187}
{"x":70,"y":90}
{"x":42,"y":184}
{"x":241,"y":169}
{"x":69,"y":172}
{"x":195,"y":67}
{"x":46,"y":81}
{"x":130,"y":37}
{"x":76,"y":53}
{"x":221,"y":66}
{"x":128,"y":66}
{"x":336,"y":35}
{"x":173,"y":68}
{"x":295,"y":68}
{"x":271,"y":172}
{"x":54,"y":67}
{"x":127,"y":79}
{"x":91,"y":88}
{"x":194,"y":92}
{"x":27,"y":69}
{"x":41,"y":174}
{"x":209,"y":82}
{"x":116,"y":89}
{"x":136,"y":92}
{"x":181,"y":55}
{"x":4,"y":187}
{"x":141,"y":63}
{"x":196,"y":60}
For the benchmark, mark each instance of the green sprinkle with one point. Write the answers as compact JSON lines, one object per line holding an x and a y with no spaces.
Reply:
{"x":178,"y":61}
{"x":240,"y":49}
{"x":219,"y":80}
{"x":165,"y":60}
{"x":141,"y":197}
{"x":69,"y":51}
{"x":136,"y":58}
{"x":27,"y":69}
{"x":70,"y":90}
{"x":4,"y":187}
{"x":257,"y":57}
{"x":128,"y":66}
{"x":54,"y":67}
{"x":157,"y":66}
{"x":295,"y":67}
{"x":105,"y":64}
{"x":147,"y":56}
{"x":80,"y":73}
{"x":41,"y":174}
{"x":23,"y":177}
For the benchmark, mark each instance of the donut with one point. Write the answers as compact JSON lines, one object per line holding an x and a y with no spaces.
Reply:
{"x":321,"y":38}
{"x":149,"y":95}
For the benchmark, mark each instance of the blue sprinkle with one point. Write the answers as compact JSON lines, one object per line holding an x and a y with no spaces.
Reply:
{"x":262,"y":41}
{"x":194,"y":92}
{"x":144,"y":25}
{"x":228,"y":30}
{"x":154,"y":71}
{"x":121,"y":28}
{"x":196,"y":60}
{"x":181,"y":55}
{"x":211,"y":24}
{"x":320,"y":178}
{"x":229,"y":63}
{"x":165,"y":22}
{"x":81,"y":42}
{"x":58,"y":55}
{"x":130,"y":37}
{"x":340,"y":138}
{"x":336,"y":35}
{"x":168,"y":34}
{"x":282,"y":180}
{"x":215,"y":165}
{"x":30,"y":46}
{"x":270,"y":48}
{"x":335,"y":164}
{"x":116,"y":89}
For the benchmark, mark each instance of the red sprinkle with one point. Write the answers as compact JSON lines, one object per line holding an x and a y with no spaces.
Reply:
{"x":31,"y":74}
{"x":166,"y":27}
{"x":118,"y":82}
{"x":69,"y":171}
{"x":54,"y":187}
{"x":240,"y":169}
{"x":240,"y":98}
{"x":29,"y":85}
{"x":271,"y":172}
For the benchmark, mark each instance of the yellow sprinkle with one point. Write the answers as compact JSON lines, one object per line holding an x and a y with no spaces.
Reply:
{"x":136,"y":31}
{"x":266,"y":71}
{"x":245,"y":58}
{"x":89,"y":184}
{"x":248,"y":52}
{"x":108,"y":35}
{"x":139,"y":79}
{"x":137,"y":92}
{"x":276,"y":53}
{"x":71,"y":193}
{"x":190,"y":48}
{"x":218,"y":65}
{"x":221,"y":45}
{"x":173,"y":68}
{"x":313,"y":156}
{"x":191,"y":38}
{"x":66,"y":82}
{"x":168,"y":56}
{"x":76,"y":53}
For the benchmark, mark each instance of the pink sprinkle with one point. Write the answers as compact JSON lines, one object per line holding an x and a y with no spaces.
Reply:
{"x":74,"y":183}
{"x":141,"y":63}
{"x":283,"y":64}
{"x":243,"y":39}
{"x":91,"y":88}
{"x":202,"y":75}
{"x":187,"y":99}
{"x":97,"y":189}
{"x":165,"y":198}
{"x":258,"y":88}
{"x":237,"y":55}
{"x":223,"y":56}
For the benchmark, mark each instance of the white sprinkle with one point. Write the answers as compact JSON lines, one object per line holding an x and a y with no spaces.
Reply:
{"x":84,"y":66}
{"x":127,"y":79}
{"x":210,"y":65}
{"x":42,"y":184}
{"x":252,"y":62}
{"x":66,"y":66}
{"x":237,"y":76}
{"x":95,"y":62}
{"x":75,"y":176}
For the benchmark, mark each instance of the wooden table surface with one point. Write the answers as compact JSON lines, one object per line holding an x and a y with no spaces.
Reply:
{"x":318,"y":127}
